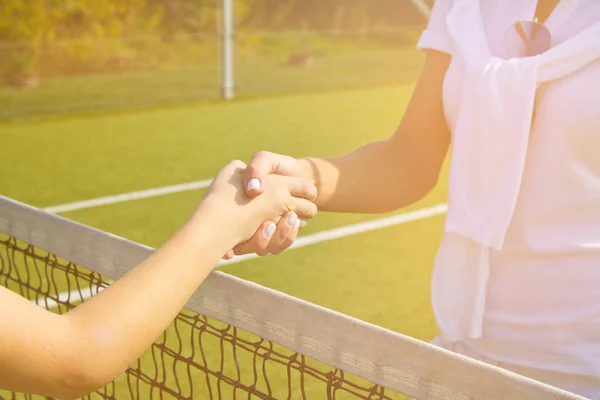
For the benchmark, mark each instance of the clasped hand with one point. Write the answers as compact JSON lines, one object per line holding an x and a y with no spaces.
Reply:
{"x":265,"y":174}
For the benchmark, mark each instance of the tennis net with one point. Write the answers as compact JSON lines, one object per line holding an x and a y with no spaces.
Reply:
{"x":236,"y":339}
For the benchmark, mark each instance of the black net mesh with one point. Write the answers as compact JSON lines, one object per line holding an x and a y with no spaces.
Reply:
{"x":195,"y":358}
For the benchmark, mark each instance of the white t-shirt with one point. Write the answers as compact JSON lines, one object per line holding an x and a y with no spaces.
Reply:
{"x":542,"y":305}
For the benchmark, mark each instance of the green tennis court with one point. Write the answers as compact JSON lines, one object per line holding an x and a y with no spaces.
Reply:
{"x":380,"y":276}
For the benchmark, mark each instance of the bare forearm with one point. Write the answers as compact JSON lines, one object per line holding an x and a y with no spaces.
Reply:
{"x":375,"y":178}
{"x":115,"y":327}
{"x":387,"y":175}
{"x":72,"y":355}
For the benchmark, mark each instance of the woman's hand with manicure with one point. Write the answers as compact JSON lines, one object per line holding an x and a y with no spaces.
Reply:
{"x":241,"y":215}
{"x":263,"y":165}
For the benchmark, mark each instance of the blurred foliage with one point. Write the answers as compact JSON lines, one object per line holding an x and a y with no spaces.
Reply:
{"x":330,"y":14}
{"x":27,"y":26}
{"x":40,"y":38}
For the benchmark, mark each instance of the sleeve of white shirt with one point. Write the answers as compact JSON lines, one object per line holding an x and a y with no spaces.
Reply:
{"x":435,"y":36}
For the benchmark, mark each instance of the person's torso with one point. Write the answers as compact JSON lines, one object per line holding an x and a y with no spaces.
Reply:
{"x":543,"y":299}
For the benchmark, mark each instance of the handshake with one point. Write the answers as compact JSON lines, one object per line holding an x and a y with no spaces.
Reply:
{"x":261,"y":206}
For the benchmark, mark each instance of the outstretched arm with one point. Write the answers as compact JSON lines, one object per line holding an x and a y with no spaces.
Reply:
{"x":376,"y":178}
{"x":386,"y":175}
{"x":71,"y":355}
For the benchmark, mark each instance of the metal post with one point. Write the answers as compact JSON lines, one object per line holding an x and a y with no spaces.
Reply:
{"x":228,"y":38}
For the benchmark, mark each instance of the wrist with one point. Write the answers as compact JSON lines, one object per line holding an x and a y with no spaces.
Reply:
{"x":217,"y":224}
{"x":309,"y":170}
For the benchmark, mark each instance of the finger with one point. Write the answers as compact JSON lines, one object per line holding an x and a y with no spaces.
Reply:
{"x":285,"y":234}
{"x":303,"y":223}
{"x":258,"y":169}
{"x":263,"y":164}
{"x":259,"y":242}
{"x":300,"y":187}
{"x":305,"y":209}
{"x":228,"y":256}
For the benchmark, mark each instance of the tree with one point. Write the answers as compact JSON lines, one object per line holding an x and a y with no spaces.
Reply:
{"x":26,"y":25}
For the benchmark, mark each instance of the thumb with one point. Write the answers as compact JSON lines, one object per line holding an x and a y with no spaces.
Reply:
{"x":263,"y":164}
{"x":255,"y":176}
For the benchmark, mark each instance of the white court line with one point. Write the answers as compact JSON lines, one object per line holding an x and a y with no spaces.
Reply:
{"x":355,"y":229}
{"x":120,"y":198}
{"x":325,"y":236}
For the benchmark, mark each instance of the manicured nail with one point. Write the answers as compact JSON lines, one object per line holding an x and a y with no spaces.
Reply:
{"x":292,"y":220}
{"x":297,"y":224}
{"x":253,"y":184}
{"x":269,"y":229}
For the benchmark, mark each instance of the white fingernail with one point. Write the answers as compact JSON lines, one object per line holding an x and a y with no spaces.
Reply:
{"x":269,"y":229}
{"x":297,"y":225}
{"x":292,"y":218}
{"x":253,"y":184}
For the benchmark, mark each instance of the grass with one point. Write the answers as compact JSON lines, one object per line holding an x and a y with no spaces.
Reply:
{"x":380,"y":277}
{"x":269,"y":76}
